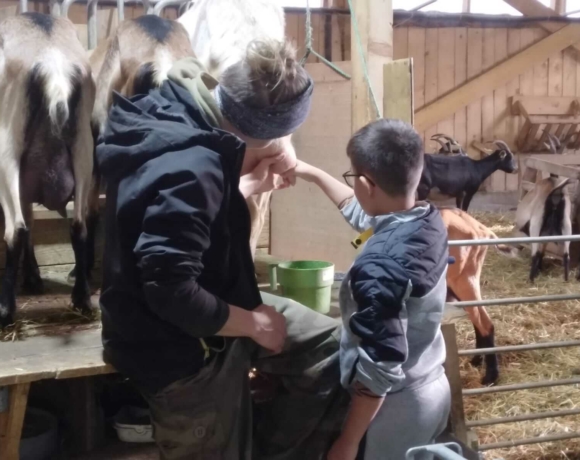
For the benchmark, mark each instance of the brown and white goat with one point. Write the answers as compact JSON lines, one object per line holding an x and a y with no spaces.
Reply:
{"x":463,"y":279}
{"x":546,"y":210}
{"x":134,"y":60}
{"x":46,"y":146}
{"x":220,"y":32}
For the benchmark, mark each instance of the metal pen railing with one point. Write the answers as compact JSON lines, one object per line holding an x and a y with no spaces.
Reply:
{"x":519,"y":348}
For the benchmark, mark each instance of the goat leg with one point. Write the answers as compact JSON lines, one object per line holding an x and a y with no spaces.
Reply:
{"x":491,"y":361}
{"x":536,"y":266}
{"x":459,"y":200}
{"x":467,"y":200}
{"x":477,"y":359}
{"x":566,"y":263}
{"x":32,"y":282}
{"x":81,"y":296}
{"x":8,"y":294}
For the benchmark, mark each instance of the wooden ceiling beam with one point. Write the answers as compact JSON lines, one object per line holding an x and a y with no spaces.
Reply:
{"x":481,"y":85}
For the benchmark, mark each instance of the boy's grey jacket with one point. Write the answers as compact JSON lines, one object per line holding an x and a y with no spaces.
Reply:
{"x":392,"y":300}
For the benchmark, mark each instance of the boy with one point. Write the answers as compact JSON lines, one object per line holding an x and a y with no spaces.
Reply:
{"x":392,"y":299}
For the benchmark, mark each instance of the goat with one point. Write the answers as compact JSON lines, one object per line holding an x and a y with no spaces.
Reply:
{"x":546,"y":210}
{"x":134,"y":60}
{"x":460,"y":176}
{"x":463,"y":280}
{"x":220,"y":32}
{"x":46,"y":146}
{"x":451,"y":146}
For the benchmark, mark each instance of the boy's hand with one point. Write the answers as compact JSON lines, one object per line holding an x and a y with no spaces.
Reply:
{"x":302,"y":171}
{"x":263,"y":178}
{"x":343,"y":449}
{"x":270,"y":328}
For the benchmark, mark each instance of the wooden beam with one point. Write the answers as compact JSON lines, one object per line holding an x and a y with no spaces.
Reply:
{"x":12,"y":420}
{"x":398,"y":90}
{"x":375,"y":26}
{"x":479,"y":86}
{"x":534,"y":8}
{"x":466,"y":6}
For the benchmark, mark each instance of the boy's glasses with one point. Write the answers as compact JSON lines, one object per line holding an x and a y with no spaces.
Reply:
{"x":349,"y":178}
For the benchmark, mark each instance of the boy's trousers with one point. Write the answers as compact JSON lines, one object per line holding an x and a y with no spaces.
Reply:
{"x":209,"y":416}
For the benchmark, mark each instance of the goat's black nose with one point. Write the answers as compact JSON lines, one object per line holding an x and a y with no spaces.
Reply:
{"x":451,"y":260}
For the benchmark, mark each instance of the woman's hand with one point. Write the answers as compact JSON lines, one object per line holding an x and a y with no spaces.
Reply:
{"x":343,"y":449}
{"x":263,"y":178}
{"x":270,"y":328}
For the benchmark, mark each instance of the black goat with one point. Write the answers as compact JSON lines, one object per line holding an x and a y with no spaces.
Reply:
{"x":460,"y":176}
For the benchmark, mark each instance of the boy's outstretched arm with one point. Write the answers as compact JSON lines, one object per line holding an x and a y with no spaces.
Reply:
{"x":334,"y":189}
{"x":363,"y":408}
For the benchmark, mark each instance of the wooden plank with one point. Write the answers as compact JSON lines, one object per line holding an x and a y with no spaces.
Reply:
{"x":400,"y":43}
{"x":303,"y":213}
{"x":569,"y":74}
{"x":487,"y":109}
{"x":512,"y":88}
{"x":537,"y":9}
{"x":12,"y":421}
{"x":336,"y":40}
{"x":375,"y":21}
{"x":497,"y":76}
{"x":555,"y":75}
{"x":417,"y":52}
{"x":500,"y":107}
{"x":451,"y":365}
{"x":552,"y":168}
{"x":546,"y":105}
{"x":75,"y":354}
{"x":527,"y":78}
{"x":531,"y":139}
{"x":446,"y":74}
{"x":460,"y":118}
{"x":431,"y":73}
{"x":398,"y":90}
{"x":292,"y":28}
{"x":474,"y":68}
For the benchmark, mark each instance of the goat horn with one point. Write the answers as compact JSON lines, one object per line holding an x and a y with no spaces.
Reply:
{"x":440,"y":142}
{"x":502,"y":145}
{"x":436,"y":136}
{"x":451,"y":140}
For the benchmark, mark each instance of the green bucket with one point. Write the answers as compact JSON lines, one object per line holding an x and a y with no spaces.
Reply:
{"x":308,"y":282}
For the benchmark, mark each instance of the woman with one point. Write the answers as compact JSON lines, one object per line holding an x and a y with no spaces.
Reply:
{"x":182,"y":314}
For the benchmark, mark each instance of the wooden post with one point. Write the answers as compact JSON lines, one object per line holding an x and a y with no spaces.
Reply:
{"x":466,"y":6}
{"x":559,"y":6}
{"x":375,"y":26}
{"x":398,"y":90}
{"x":452,"y":371}
{"x":12,"y":420}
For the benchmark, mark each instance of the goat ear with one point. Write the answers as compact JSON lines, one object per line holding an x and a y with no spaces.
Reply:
{"x":502,"y":154}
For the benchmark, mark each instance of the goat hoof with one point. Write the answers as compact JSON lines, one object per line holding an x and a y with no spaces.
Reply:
{"x":476,"y":361}
{"x":7,"y":309}
{"x":33,"y":285}
{"x":491,"y":376}
{"x":72,"y":276}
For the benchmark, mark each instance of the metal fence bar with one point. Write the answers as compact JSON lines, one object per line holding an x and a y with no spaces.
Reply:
{"x":518,"y":240}
{"x":521,"y":442}
{"x":92,"y":24}
{"x":522,"y":418}
{"x":511,"y":348}
{"x":121,"y":10}
{"x":520,"y":386}
{"x":515,"y":300}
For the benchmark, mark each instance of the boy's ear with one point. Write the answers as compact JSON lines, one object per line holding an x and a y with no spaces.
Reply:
{"x":368,"y":185}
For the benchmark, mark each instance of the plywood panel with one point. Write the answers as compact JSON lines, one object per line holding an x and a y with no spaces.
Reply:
{"x":512,"y":88}
{"x":460,"y":122}
{"x":305,"y":224}
{"x":474,"y":67}
{"x":498,"y":178}
{"x":569,"y":73}
{"x":555,"y":75}
{"x":527,"y":37}
{"x":400,"y":43}
{"x":337,"y":54}
{"x":446,"y":73}
{"x":431,"y":75}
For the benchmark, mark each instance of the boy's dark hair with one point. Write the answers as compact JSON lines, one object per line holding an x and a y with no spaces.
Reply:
{"x":391,"y":153}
